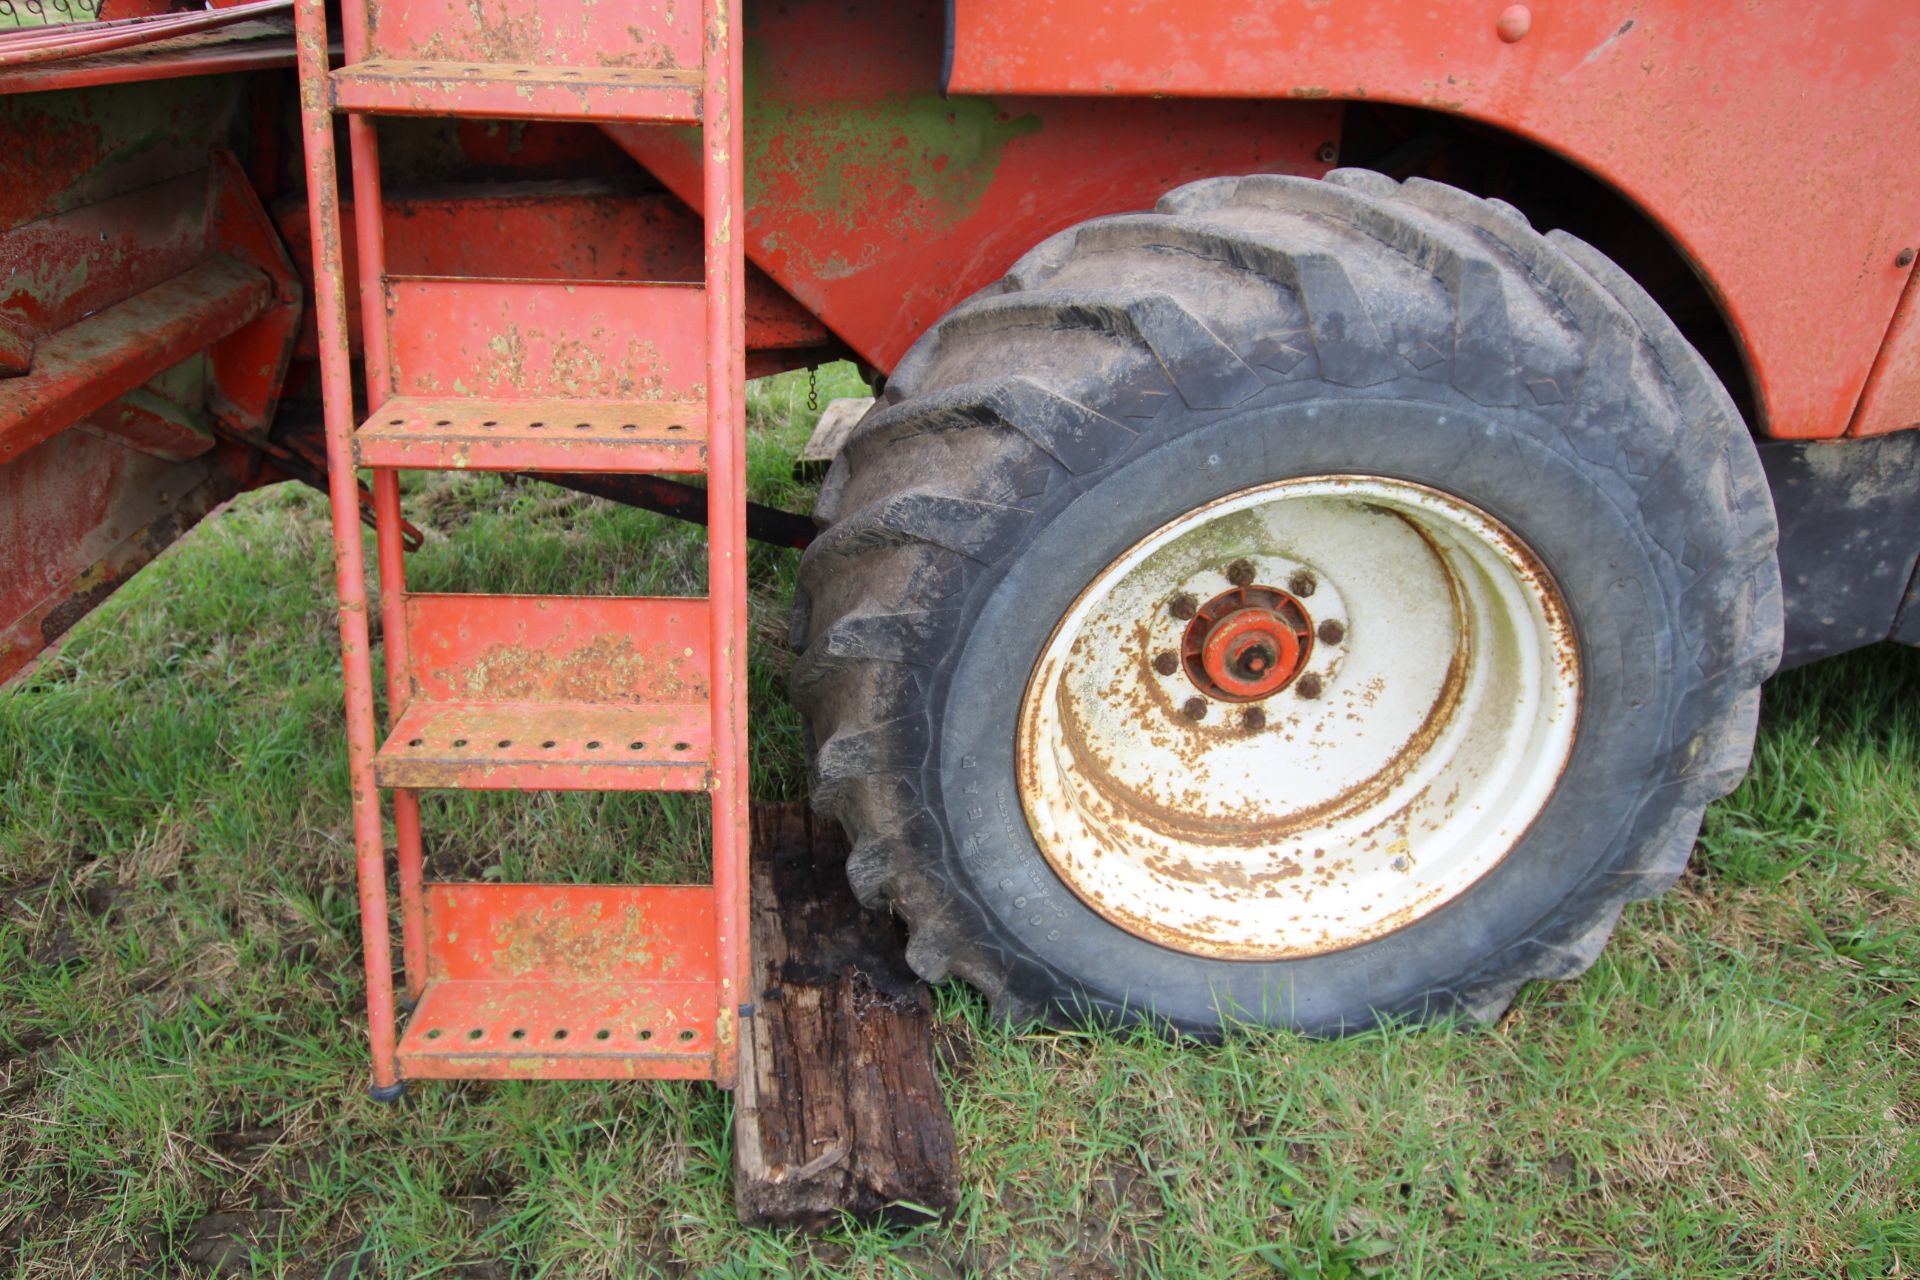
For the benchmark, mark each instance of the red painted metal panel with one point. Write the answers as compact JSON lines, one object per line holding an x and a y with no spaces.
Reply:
{"x":556,"y":692}
{"x":88,"y":364}
{"x":631,"y":33}
{"x":569,"y":933}
{"x":118,"y":291}
{"x":124,"y":253}
{"x":662,"y":436}
{"x":1891,"y":401}
{"x":584,"y":649}
{"x":586,"y":231}
{"x":62,"y":152}
{"x":507,"y":92}
{"x":1766,"y":143}
{"x":526,"y":339}
{"x":64,"y":267}
{"x":247,"y":368}
{"x":566,"y":982}
{"x":879,"y":203}
{"x":151,"y":424}
{"x":78,"y":515}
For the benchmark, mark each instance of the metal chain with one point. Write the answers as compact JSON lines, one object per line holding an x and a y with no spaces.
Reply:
{"x":813,"y":389}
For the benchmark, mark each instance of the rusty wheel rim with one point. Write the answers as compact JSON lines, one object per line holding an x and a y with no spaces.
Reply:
{"x":1299,"y":717}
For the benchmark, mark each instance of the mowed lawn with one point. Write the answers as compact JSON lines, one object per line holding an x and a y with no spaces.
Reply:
{"x":1733,"y":1090}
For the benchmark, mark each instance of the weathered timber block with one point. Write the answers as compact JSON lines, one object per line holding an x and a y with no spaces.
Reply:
{"x":839,"y":1107}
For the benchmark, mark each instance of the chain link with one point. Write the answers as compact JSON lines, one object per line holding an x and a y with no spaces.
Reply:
{"x":813,"y":389}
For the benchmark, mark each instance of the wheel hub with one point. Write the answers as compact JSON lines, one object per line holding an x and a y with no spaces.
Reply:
{"x":1247,"y":643}
{"x":1246,"y":779}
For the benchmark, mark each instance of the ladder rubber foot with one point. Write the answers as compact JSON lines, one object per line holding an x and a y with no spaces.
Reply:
{"x":388,"y":1093}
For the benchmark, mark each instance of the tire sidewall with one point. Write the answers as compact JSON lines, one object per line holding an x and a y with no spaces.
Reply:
{"x":1581,"y":518}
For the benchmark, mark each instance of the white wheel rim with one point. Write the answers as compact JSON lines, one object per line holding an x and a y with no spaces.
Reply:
{"x":1402,"y":759}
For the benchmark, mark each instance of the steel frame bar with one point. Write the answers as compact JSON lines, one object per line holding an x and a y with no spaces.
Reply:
{"x":722,"y":180}
{"x":336,"y":379}
{"x":369,"y":215}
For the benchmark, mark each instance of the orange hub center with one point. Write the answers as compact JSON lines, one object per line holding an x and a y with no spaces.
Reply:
{"x":1247,"y":643}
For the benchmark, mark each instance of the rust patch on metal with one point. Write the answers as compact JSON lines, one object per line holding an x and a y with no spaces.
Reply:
{"x":606,"y":669}
{"x":577,"y":944}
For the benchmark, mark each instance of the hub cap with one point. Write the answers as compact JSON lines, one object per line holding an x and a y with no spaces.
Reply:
{"x":1299,"y":717}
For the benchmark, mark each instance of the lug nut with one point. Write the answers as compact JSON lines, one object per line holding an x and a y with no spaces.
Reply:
{"x":1240,"y":573}
{"x":1183,"y":606}
{"x":1307,"y":686}
{"x":1255,"y":718}
{"x":1196,"y":709}
{"x":1302,"y":583}
{"x":1165,"y":663}
{"x":1331,"y":632}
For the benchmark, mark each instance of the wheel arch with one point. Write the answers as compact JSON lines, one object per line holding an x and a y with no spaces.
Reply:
{"x":1491,"y":159}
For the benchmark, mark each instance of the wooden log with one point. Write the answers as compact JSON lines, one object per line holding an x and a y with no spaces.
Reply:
{"x":839,"y":1107}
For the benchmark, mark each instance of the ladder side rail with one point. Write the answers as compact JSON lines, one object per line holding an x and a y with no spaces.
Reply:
{"x":323,"y":198}
{"x":370,"y":236}
{"x":723,"y":202}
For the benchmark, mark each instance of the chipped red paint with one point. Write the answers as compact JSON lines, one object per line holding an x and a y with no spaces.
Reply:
{"x":631,"y":33}
{"x":78,"y":516}
{"x":83,"y":367}
{"x":152,"y":424}
{"x":1891,"y":401}
{"x":117,"y":296}
{"x":16,"y":348}
{"x":575,"y":982}
{"x":603,"y":230}
{"x":552,"y":693}
{"x":525,"y":339}
{"x":1793,"y":215}
{"x":506,"y":92}
{"x":329,"y":290}
{"x":457,"y":434}
{"x":723,"y":204}
{"x":879,"y":205}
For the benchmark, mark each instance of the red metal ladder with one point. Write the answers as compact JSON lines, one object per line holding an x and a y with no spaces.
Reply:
{"x":539,"y":692}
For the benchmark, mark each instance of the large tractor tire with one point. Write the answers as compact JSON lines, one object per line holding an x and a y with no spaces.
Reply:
{"x":1310,"y":603}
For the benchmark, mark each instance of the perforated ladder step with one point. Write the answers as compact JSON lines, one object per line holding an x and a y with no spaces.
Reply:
{"x":547,"y":746}
{"x":558,"y":693}
{"x":566,"y":981}
{"x":510,"y":91}
{"x":660,"y":436}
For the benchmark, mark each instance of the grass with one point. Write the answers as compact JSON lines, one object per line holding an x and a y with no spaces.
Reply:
{"x":1732,"y":1091}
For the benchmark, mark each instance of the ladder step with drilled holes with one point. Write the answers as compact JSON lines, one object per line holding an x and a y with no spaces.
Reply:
{"x":566,"y":981}
{"x":503,"y":91}
{"x":661,"y":436}
{"x":554,"y":746}
{"x":565,"y":693}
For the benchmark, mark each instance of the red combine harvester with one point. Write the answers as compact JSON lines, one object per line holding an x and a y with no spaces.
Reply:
{"x":1339,"y":478}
